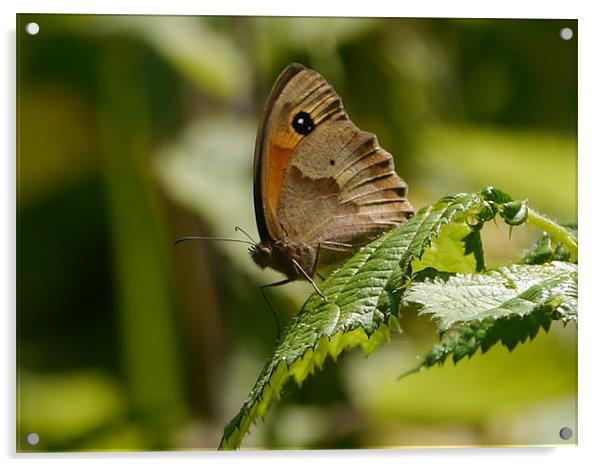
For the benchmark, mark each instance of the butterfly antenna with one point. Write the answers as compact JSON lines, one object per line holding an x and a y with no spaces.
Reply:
{"x":221,"y":239}
{"x":239,"y":229}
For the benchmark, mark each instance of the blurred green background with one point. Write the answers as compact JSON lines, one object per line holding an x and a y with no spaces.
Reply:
{"x":134,"y":131}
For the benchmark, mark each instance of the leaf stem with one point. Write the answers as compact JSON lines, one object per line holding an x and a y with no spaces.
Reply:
{"x":556,"y":231}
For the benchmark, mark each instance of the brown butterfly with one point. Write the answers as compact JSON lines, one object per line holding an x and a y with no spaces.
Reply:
{"x":322,"y":187}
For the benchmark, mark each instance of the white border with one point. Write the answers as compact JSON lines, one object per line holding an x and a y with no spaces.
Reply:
{"x":590,"y":105}
{"x":440,"y":8}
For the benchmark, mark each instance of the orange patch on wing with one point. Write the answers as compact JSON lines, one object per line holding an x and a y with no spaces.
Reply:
{"x":278,"y":159}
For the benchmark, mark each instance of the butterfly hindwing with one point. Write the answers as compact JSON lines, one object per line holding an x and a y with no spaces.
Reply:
{"x":341,"y":187}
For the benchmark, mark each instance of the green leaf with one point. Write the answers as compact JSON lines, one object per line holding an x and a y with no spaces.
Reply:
{"x":547,"y":249}
{"x":563,"y":235}
{"x":457,"y":248}
{"x":473,"y":245}
{"x":362,"y":299}
{"x":508,"y":304}
{"x":513,"y":212}
{"x":496,"y":195}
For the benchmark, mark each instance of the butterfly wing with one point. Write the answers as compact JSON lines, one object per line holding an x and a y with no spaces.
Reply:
{"x":300,"y":101}
{"x":341,"y":188}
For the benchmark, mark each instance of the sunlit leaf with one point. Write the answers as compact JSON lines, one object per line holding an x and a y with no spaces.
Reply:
{"x":362,"y":298}
{"x":508,"y":304}
{"x":547,"y":249}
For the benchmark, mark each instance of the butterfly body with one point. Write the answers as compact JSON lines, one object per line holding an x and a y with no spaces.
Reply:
{"x":322,"y":187}
{"x":279,"y":255}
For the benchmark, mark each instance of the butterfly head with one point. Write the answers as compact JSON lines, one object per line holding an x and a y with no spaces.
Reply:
{"x":280,"y":255}
{"x":262,"y":254}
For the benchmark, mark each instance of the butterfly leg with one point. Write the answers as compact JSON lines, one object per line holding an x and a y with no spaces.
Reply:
{"x":337,"y":245}
{"x":315,"y":268}
{"x":265,"y":297}
{"x":310,"y":280}
{"x":333,"y":246}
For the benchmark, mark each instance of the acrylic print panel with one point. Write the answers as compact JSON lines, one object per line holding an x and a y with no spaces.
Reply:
{"x":134,"y":131}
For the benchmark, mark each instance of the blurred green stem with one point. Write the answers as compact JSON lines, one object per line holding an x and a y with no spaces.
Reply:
{"x":146,"y":317}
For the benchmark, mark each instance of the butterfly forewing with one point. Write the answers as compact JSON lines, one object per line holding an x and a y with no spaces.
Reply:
{"x":299,"y":95}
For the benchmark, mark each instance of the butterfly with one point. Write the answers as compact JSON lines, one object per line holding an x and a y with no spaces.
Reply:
{"x":322,"y":187}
